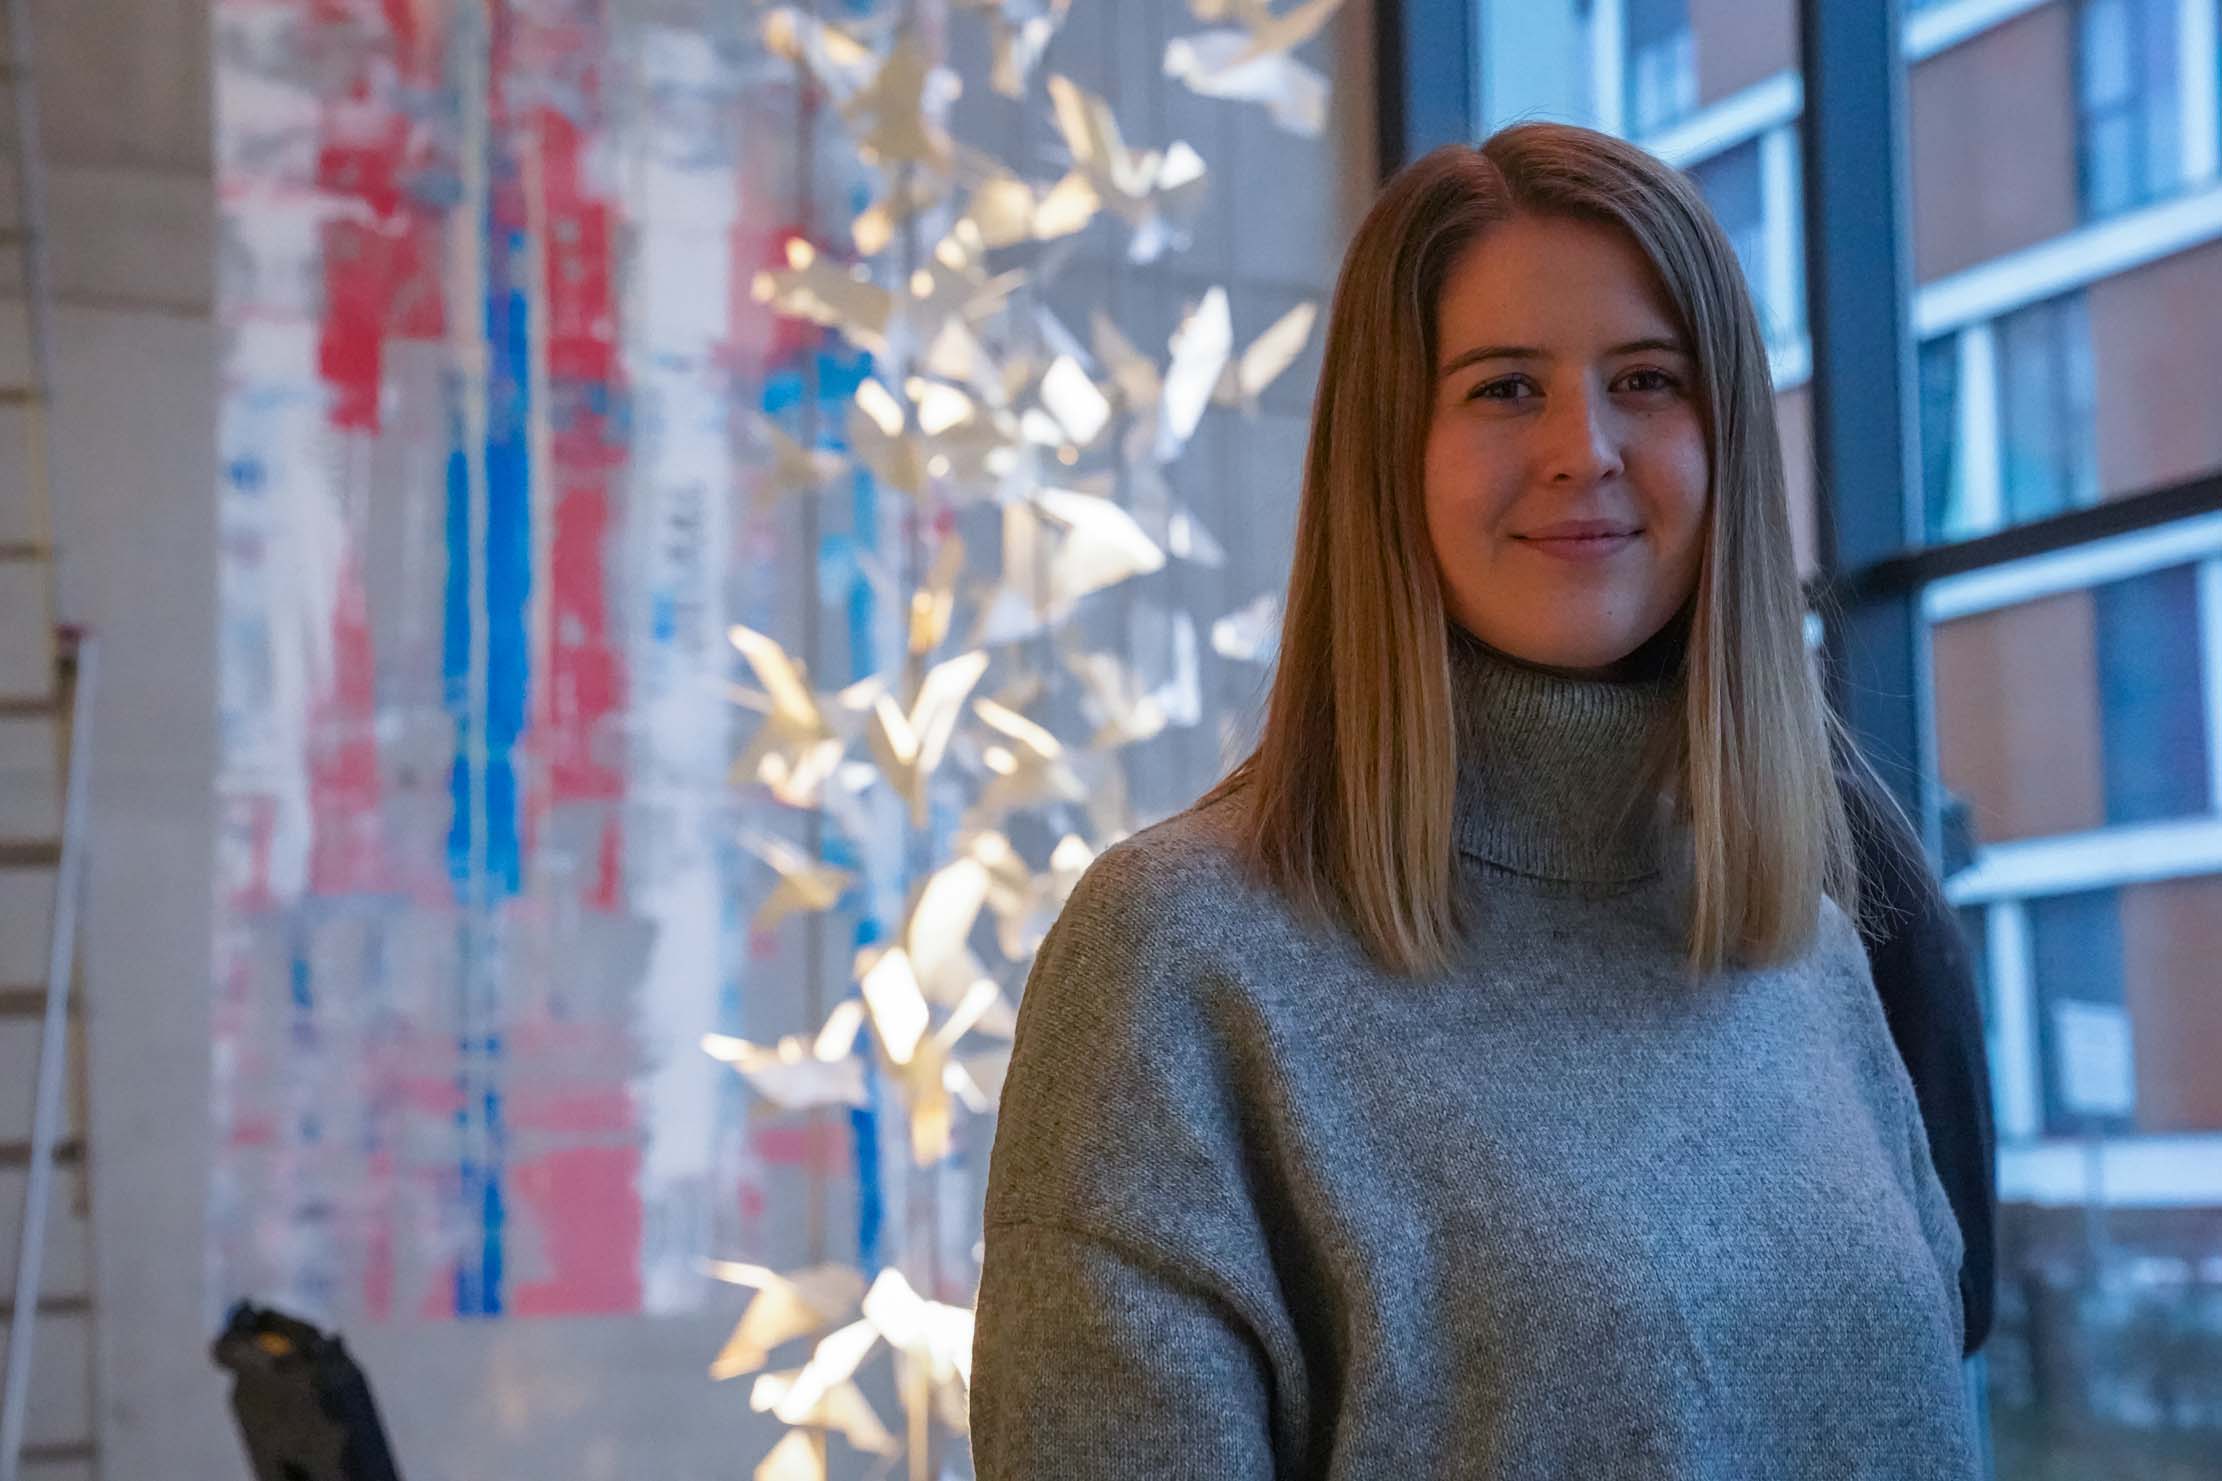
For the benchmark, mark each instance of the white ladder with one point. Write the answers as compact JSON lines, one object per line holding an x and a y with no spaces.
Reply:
{"x":46,"y":1150}
{"x":47,"y":1428}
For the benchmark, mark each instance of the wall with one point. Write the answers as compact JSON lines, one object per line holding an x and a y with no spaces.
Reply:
{"x":2153,"y":333}
{"x":124,"y":90}
{"x":2019,"y":70}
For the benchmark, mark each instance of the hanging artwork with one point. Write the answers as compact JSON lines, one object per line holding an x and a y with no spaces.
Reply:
{"x":475,"y":870}
{"x":987,"y":743}
{"x":711,"y":552}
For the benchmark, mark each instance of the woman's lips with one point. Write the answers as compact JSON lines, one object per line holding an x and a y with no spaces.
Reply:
{"x":1580,"y":548}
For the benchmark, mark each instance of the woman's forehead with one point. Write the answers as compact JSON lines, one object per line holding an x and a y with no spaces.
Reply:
{"x":1554,"y":284}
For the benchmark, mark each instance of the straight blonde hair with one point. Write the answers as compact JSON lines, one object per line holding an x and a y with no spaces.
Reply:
{"x":1346,"y":801}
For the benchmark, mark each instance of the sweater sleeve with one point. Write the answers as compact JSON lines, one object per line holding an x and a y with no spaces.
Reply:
{"x":1128,"y":1320}
{"x":1095,"y":1360}
{"x":1932,"y":1004}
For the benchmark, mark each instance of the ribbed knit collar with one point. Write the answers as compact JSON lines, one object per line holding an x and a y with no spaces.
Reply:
{"x":1546,"y":762}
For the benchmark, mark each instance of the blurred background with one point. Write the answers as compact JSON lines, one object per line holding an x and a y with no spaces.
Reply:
{"x":408,"y":399}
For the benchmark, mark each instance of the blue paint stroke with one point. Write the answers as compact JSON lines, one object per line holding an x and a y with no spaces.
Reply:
{"x":508,"y":577}
{"x":485,"y":856}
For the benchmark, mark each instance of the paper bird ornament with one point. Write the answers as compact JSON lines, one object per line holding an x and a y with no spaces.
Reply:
{"x":1254,"y":64}
{"x":800,"y":1073}
{"x":793,"y":469}
{"x":816,"y":288}
{"x":1157,"y":194}
{"x":805,"y":886}
{"x":909,"y":743}
{"x":804,"y":735}
{"x":784,"y":1308}
{"x":1249,"y":634}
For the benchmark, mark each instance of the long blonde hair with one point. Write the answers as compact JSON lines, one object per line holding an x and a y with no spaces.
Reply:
{"x":1346,"y":802}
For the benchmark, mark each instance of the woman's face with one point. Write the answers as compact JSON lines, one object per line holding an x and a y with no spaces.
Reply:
{"x":1563,"y":393}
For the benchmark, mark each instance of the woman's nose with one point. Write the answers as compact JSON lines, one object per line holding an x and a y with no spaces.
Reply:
{"x":1580,"y":445}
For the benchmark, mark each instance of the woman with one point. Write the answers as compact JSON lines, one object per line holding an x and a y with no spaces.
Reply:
{"x":1486,"y":1079}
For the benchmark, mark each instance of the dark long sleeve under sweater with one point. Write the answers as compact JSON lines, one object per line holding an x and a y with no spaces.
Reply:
{"x":1259,"y":1210}
{"x":1926,"y":983}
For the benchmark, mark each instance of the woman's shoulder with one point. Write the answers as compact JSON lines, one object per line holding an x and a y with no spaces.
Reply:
{"x":1173,"y":883}
{"x":1128,"y":1031}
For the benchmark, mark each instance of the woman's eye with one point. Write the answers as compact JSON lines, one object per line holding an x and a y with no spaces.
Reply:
{"x":1664,"y":382}
{"x":1499,"y":390}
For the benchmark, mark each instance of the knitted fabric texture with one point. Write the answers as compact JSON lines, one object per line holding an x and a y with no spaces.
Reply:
{"x":1258,"y":1209}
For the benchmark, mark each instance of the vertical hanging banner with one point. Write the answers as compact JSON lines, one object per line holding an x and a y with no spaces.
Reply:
{"x":474,"y":498}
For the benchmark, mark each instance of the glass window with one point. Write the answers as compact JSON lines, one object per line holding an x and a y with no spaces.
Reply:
{"x":1661,"y":73}
{"x":2048,"y":452}
{"x":1942,"y":501}
{"x":2059,"y":717}
{"x":1735,"y":190}
{"x":1975,"y":930}
{"x":1536,"y":62}
{"x":2126,"y":95}
{"x":2075,"y":731}
{"x":2151,"y":708}
{"x":2075,"y":962}
{"x":1761,"y":218}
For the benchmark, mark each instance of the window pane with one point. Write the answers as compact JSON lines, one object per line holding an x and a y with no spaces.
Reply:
{"x":2151,"y":712}
{"x":1536,"y":62}
{"x":2104,"y":66}
{"x":2046,"y":460}
{"x":2112,"y":170}
{"x":2128,"y":85}
{"x":1732,"y":187}
{"x":1975,"y":929}
{"x":2064,"y":363}
{"x":2023,"y":134}
{"x":1939,"y":371}
{"x":1661,"y":63}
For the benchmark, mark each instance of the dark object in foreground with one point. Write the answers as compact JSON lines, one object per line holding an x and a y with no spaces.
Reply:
{"x":304,"y":1408}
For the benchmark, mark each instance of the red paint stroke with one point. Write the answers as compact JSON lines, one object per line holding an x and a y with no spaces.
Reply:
{"x":381,"y":1271}
{"x":584,"y":1204}
{"x":609,"y":874}
{"x":582,"y":695}
{"x":821,"y":1148}
{"x":346,"y":851}
{"x":587,"y":1110}
{"x":757,"y":337}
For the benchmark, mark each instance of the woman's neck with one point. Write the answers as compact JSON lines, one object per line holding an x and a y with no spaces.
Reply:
{"x":1555,"y":773}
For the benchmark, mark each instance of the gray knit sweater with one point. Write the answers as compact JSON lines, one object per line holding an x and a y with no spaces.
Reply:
{"x":1257,"y":1209}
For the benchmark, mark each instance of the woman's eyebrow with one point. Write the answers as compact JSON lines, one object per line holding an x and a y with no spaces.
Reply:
{"x":1479,"y":353}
